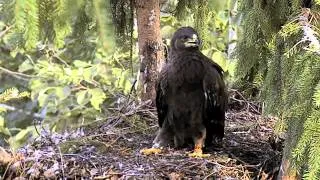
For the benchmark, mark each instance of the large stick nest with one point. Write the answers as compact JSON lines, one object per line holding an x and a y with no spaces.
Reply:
{"x":110,"y":149}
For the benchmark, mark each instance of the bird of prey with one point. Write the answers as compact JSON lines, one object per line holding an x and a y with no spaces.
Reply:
{"x":191,"y":97}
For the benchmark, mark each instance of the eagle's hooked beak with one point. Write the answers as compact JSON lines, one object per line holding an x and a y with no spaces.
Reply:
{"x":192,"y":42}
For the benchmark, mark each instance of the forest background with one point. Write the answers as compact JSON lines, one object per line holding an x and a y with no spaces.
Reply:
{"x":65,"y":63}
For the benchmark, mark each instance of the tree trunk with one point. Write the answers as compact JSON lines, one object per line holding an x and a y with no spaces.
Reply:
{"x":286,"y":172}
{"x":150,"y":46}
{"x":232,"y":33}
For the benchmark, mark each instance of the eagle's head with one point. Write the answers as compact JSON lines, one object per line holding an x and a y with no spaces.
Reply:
{"x":185,"y":38}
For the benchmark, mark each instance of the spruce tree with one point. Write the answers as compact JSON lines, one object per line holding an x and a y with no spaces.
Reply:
{"x":280,"y":45}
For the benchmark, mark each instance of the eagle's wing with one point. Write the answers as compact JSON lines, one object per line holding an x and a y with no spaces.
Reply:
{"x":216,"y":101}
{"x":161,"y":99}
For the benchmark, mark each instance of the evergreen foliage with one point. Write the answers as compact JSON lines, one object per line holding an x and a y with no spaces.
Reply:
{"x":280,"y":45}
{"x":52,"y":21}
{"x":12,"y":93}
{"x":203,"y":12}
{"x":123,"y":20}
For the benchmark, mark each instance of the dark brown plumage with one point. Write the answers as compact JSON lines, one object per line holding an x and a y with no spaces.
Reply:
{"x":191,"y":95}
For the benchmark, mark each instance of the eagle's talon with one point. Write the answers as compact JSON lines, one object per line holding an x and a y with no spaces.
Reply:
{"x":198,"y":155}
{"x":150,"y":151}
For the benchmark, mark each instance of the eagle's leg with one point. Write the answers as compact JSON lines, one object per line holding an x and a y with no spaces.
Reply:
{"x":198,"y":144}
{"x":162,"y":139}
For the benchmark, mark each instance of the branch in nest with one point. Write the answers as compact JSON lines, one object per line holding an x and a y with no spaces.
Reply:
{"x":250,"y":105}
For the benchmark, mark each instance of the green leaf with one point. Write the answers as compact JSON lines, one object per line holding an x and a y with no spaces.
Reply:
{"x":127,"y":87}
{"x":97,"y":97}
{"x":82,"y":97}
{"x":25,"y":66}
{"x":22,"y":134}
{"x":37,"y":84}
{"x":231,"y":67}
{"x":87,"y":74}
{"x":116,"y":71}
{"x":79,"y":63}
{"x":19,"y":139}
{"x":220,"y":58}
{"x":42,"y":97}
{"x":63,"y":92}
{"x":3,"y":129}
{"x":1,"y":121}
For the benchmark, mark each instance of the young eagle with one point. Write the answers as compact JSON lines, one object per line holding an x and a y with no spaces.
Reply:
{"x":191,"y":96}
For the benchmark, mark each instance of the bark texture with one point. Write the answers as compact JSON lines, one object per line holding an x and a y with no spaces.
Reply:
{"x":150,"y":46}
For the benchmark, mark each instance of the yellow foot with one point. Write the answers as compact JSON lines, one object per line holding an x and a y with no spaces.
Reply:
{"x":197,"y":153}
{"x":150,"y":151}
